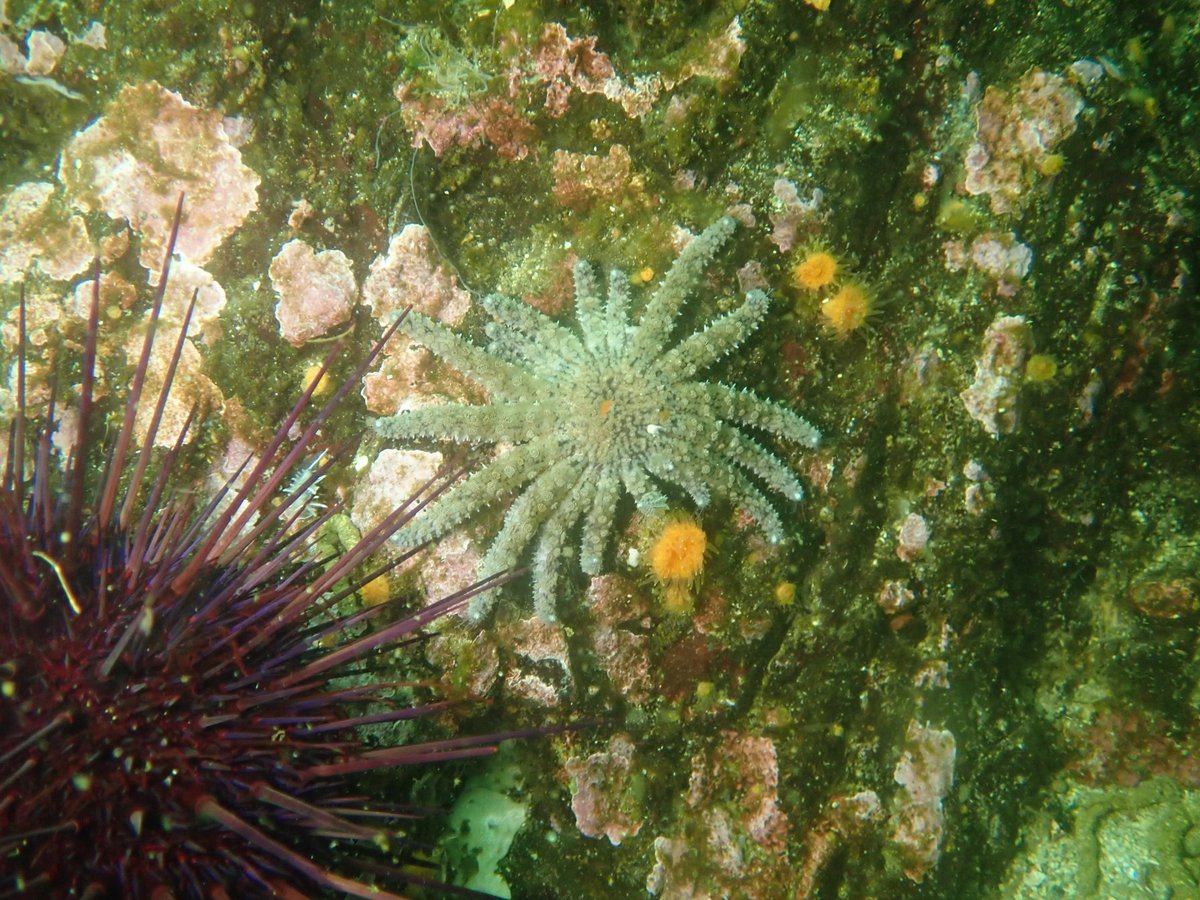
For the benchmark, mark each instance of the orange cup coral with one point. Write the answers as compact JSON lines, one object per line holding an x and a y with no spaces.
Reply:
{"x":848,"y":308}
{"x":676,"y":559}
{"x":816,"y":270}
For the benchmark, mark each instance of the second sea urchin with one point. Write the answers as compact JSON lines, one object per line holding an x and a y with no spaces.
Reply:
{"x":181,"y":690}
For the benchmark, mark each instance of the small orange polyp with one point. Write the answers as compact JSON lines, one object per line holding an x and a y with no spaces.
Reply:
{"x":678,"y":553}
{"x":377,"y":590}
{"x":816,"y":270}
{"x":848,"y":308}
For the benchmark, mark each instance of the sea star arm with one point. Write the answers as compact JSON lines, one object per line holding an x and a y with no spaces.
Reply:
{"x":654,"y":327}
{"x":551,"y":550}
{"x":513,"y":421}
{"x":527,"y":514}
{"x":495,"y":374}
{"x":482,"y":487}
{"x":616,"y":314}
{"x":719,"y":337}
{"x":747,"y":408}
{"x":542,"y":335}
{"x":746,"y":452}
{"x":589,"y":308}
{"x":598,"y":522}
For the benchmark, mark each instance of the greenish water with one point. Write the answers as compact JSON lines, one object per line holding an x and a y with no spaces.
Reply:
{"x":970,"y":668}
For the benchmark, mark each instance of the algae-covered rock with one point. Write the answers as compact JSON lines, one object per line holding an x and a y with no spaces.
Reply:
{"x":1119,"y":842}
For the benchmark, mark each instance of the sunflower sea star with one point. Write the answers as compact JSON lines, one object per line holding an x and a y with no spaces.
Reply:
{"x":597,"y":410}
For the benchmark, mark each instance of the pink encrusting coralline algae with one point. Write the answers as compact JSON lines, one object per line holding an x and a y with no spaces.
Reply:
{"x":132,"y":164}
{"x":31,"y":233}
{"x":604,"y":792}
{"x":193,"y":394}
{"x":1015,"y":138}
{"x":393,"y":473}
{"x":500,"y":108}
{"x":895,"y":597}
{"x":925,"y":773}
{"x":409,"y":273}
{"x":992,"y":397}
{"x":913,"y":537}
{"x":43,"y":51}
{"x":1004,"y":259}
{"x":585,"y":179}
{"x":316,"y":291}
{"x":620,"y":643}
{"x":149,"y":147}
{"x":793,"y":218}
{"x":733,"y":840}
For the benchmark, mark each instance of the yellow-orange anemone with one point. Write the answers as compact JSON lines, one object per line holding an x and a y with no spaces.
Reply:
{"x":848,"y":308}
{"x":816,"y":270}
{"x":676,"y":559}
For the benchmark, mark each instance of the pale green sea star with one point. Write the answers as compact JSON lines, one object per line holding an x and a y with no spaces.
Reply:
{"x":597,"y":410}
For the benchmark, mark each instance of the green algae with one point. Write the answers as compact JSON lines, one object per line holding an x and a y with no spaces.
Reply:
{"x":1121,"y":842}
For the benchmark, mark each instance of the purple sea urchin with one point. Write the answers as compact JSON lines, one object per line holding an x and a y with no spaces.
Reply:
{"x":181,"y":690}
